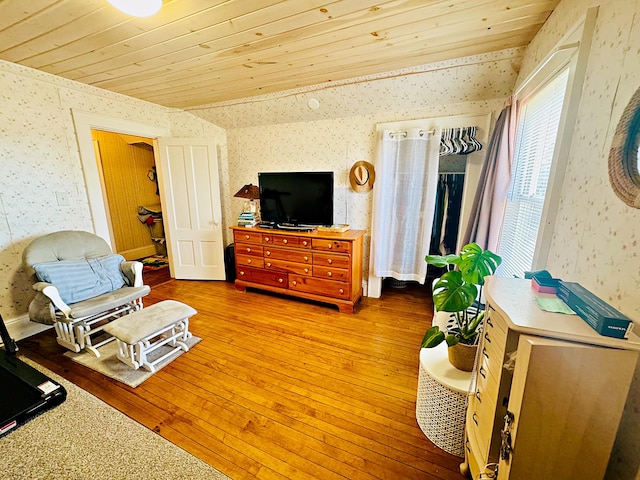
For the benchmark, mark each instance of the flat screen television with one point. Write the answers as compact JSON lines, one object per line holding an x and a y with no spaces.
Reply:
{"x":296,"y":198}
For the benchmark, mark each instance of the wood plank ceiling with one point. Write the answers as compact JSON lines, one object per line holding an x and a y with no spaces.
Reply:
{"x":197,"y":52}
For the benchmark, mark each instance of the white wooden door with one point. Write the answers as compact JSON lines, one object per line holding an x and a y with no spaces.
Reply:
{"x":190,"y":194}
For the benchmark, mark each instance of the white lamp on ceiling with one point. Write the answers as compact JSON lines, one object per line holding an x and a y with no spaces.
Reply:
{"x":137,"y":8}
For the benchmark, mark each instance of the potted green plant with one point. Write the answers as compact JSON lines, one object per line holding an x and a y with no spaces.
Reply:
{"x":456,"y":291}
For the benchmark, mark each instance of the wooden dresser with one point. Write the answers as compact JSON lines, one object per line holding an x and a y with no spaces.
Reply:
{"x":321,"y":266}
{"x":549,"y":391}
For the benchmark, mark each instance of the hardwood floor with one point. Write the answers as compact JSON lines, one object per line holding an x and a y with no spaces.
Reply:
{"x":281,"y":388}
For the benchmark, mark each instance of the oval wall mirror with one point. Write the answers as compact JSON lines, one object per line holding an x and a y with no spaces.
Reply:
{"x":624,"y":157}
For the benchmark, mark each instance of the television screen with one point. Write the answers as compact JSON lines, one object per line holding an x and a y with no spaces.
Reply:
{"x":296,"y":198}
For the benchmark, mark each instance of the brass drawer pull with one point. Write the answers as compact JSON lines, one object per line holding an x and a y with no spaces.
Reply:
{"x":341,"y":291}
{"x":266,"y":239}
{"x":295,"y":283}
{"x":285,"y":241}
{"x":305,"y":243}
{"x":249,"y":261}
{"x":330,"y":274}
{"x":306,"y":270}
{"x":241,"y":273}
{"x":281,"y":280}
{"x":329,"y":261}
{"x":268,"y":264}
{"x":268,"y":253}
{"x":247,"y":237}
{"x":248,"y":250}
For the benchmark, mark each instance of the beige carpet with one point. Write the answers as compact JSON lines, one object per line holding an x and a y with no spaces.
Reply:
{"x":109,"y":365}
{"x":86,"y":438}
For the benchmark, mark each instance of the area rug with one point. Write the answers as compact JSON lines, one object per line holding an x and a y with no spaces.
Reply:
{"x":109,"y":365}
{"x":155,"y":262}
{"x":86,"y":438}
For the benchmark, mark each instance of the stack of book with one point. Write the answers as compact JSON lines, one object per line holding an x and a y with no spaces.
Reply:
{"x":248,"y":219}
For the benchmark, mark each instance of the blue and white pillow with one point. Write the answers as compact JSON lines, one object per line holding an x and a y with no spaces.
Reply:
{"x":78,"y":280}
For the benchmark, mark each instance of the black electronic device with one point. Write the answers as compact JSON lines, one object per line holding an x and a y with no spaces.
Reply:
{"x":24,"y":391}
{"x":298,"y":200}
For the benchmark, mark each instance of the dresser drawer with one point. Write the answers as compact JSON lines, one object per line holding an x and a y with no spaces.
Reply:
{"x":250,"y":260}
{"x":331,"y":273}
{"x":329,"y":260}
{"x":265,"y":277}
{"x":331,"y":245}
{"x":319,"y":286}
{"x":247,"y":249}
{"x":296,"y":256}
{"x":247,"y":237}
{"x":284,"y":266}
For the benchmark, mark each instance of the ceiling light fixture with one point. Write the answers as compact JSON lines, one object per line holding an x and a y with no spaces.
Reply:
{"x":137,"y":8}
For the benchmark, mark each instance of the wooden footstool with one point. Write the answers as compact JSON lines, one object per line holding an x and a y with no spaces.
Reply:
{"x":142,"y":332}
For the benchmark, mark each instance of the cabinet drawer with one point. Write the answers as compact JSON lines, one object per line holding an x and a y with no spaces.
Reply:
{"x":329,"y":260}
{"x":480,"y":421}
{"x":246,"y":249}
{"x":250,"y":260}
{"x":284,"y":266}
{"x":331,"y":273}
{"x":296,"y":256}
{"x":331,"y":245}
{"x":247,"y":237}
{"x":265,"y":277}
{"x":320,"y":286}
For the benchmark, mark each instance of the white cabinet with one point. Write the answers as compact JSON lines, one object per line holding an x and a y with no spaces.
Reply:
{"x":556,"y":414}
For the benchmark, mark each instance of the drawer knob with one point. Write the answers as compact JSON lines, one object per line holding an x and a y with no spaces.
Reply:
{"x":305,"y":243}
{"x":285,"y":241}
{"x":281,"y":280}
{"x":249,"y":261}
{"x":306,"y":270}
{"x":329,"y":261}
{"x":266,"y":239}
{"x":341,"y":291}
{"x":295,"y":283}
{"x":330,"y":246}
{"x":248,"y":250}
{"x":268,"y":253}
{"x":306,"y":259}
{"x":268,"y":264}
{"x":330,"y":274}
{"x":247,"y":237}
{"x":241,"y":272}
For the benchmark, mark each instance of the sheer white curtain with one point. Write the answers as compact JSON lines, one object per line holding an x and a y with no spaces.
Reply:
{"x":404,"y":202}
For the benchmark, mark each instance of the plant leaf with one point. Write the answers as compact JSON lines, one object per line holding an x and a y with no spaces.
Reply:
{"x":476,"y":263}
{"x":452,"y":294}
{"x":451,"y":339}
{"x":432,"y":337}
{"x":442,"y":261}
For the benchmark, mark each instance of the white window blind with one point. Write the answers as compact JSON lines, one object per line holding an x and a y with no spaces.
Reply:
{"x":538,"y":122}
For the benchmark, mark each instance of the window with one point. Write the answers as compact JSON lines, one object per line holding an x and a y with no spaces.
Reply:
{"x":538,"y":122}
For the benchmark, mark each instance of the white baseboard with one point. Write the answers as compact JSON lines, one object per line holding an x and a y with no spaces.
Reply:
{"x":21,"y":327}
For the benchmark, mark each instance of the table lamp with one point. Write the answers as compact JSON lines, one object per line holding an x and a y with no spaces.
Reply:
{"x":251,"y":193}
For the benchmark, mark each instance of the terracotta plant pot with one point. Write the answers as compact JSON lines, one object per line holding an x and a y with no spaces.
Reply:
{"x":462,"y":356}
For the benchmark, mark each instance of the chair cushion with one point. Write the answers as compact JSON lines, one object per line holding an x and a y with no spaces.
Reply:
{"x":108,"y":301}
{"x":78,"y":280}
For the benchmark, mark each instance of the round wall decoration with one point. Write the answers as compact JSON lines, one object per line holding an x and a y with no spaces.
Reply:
{"x":362,"y":176}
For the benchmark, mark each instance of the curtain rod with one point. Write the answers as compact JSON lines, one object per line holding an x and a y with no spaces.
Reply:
{"x":404,"y":133}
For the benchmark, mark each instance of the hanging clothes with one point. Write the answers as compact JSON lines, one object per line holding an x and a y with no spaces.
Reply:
{"x":404,"y":198}
{"x":446,"y":221}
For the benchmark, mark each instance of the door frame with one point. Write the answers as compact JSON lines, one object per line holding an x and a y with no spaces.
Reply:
{"x":84,"y":122}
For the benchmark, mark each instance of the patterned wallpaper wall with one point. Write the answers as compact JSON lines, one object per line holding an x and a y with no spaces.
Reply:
{"x":39,"y":157}
{"x":280,"y":132}
{"x":597,"y":237}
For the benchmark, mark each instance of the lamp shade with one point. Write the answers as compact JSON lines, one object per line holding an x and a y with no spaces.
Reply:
{"x":250,"y":191}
